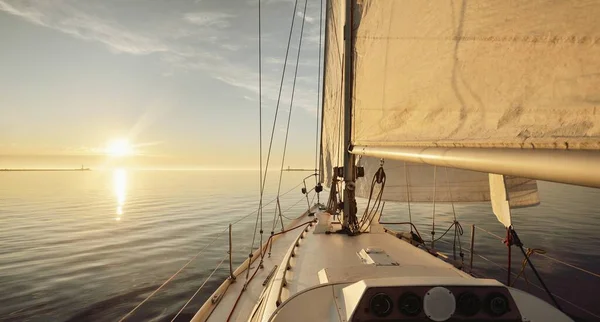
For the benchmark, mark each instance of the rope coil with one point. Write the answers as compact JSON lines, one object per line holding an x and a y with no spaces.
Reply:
{"x":529,"y":253}
{"x":379,"y":178}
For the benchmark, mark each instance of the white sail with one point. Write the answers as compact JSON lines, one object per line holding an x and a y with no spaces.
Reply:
{"x":421,"y":183}
{"x":518,"y":74}
{"x":500,"y":205}
{"x":333,"y":95}
{"x":379,"y":99}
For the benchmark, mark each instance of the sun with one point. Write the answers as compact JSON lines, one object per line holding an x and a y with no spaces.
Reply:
{"x":119,"y":148}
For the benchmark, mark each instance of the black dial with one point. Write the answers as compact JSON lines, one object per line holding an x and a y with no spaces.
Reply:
{"x":496,"y":304}
{"x":381,"y":305}
{"x":468,"y":304}
{"x":410,"y":304}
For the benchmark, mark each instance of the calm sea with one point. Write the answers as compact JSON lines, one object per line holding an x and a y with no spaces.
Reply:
{"x":89,"y":246}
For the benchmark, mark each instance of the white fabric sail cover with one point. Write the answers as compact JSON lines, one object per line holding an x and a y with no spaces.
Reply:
{"x":416,"y":182}
{"x":333,"y":94}
{"x":485,"y":73}
{"x":410,"y":86}
{"x":500,"y":204}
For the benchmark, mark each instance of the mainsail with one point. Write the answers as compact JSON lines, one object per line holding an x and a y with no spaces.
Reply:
{"x":461,"y":74}
{"x":521,"y":74}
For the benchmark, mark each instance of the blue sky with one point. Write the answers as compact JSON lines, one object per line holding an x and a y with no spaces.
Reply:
{"x":177,"y":78}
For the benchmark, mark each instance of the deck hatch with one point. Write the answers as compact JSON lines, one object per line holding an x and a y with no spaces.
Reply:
{"x":376,"y":256}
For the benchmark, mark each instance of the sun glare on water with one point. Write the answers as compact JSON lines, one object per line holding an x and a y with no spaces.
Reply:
{"x":119,"y":148}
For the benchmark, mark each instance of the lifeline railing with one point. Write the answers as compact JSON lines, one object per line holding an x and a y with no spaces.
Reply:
{"x":530,"y":252}
{"x":228,"y":256}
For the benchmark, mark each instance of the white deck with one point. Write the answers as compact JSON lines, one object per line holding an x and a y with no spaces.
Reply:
{"x":334,"y":252}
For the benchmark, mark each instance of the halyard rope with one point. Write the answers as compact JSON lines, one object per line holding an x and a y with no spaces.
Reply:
{"x":367,"y":217}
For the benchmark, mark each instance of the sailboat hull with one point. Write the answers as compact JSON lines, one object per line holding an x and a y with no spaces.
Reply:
{"x":308,"y":265}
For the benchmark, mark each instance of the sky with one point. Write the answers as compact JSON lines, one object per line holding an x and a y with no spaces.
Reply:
{"x":177,"y":79}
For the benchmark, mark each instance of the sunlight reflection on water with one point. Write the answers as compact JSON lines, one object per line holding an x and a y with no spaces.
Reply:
{"x":120,"y":189}
{"x":69,"y":252}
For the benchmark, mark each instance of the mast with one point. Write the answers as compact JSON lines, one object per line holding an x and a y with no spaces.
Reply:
{"x":349,"y":173}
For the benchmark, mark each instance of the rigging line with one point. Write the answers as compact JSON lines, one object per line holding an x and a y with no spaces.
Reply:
{"x":201,"y":286}
{"x":269,"y":240}
{"x":458,"y":231}
{"x":408,"y":195}
{"x":282,"y":211}
{"x":283,"y":194}
{"x":490,"y":233}
{"x":319,"y":89}
{"x":294,"y":188}
{"x":570,"y":265}
{"x":421,"y":242}
{"x":513,"y":235}
{"x":262,"y":188}
{"x":340,"y":129}
{"x":261,"y":181}
{"x":287,"y":50}
{"x":287,"y":131}
{"x":266,"y":204}
{"x":290,"y":207}
{"x":450,"y":193}
{"x":204,"y":248}
{"x":540,"y":288}
{"x":433,"y":214}
{"x":378,"y":178}
{"x":548,"y":257}
{"x":173,"y":276}
{"x":530,"y":252}
{"x":447,"y":230}
{"x":277,"y":208}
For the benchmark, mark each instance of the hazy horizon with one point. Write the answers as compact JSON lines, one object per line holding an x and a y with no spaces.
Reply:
{"x":98,"y":162}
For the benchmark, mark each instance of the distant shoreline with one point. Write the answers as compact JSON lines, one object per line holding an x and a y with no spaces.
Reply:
{"x":23,"y":170}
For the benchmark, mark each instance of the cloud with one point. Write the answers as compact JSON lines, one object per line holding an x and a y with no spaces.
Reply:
{"x":183,"y":38}
{"x":308,"y":18}
{"x":31,"y":15}
{"x":208,"y":19}
{"x":291,"y":62}
{"x":231,"y":47}
{"x":70,"y":20}
{"x":269,"y":2}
